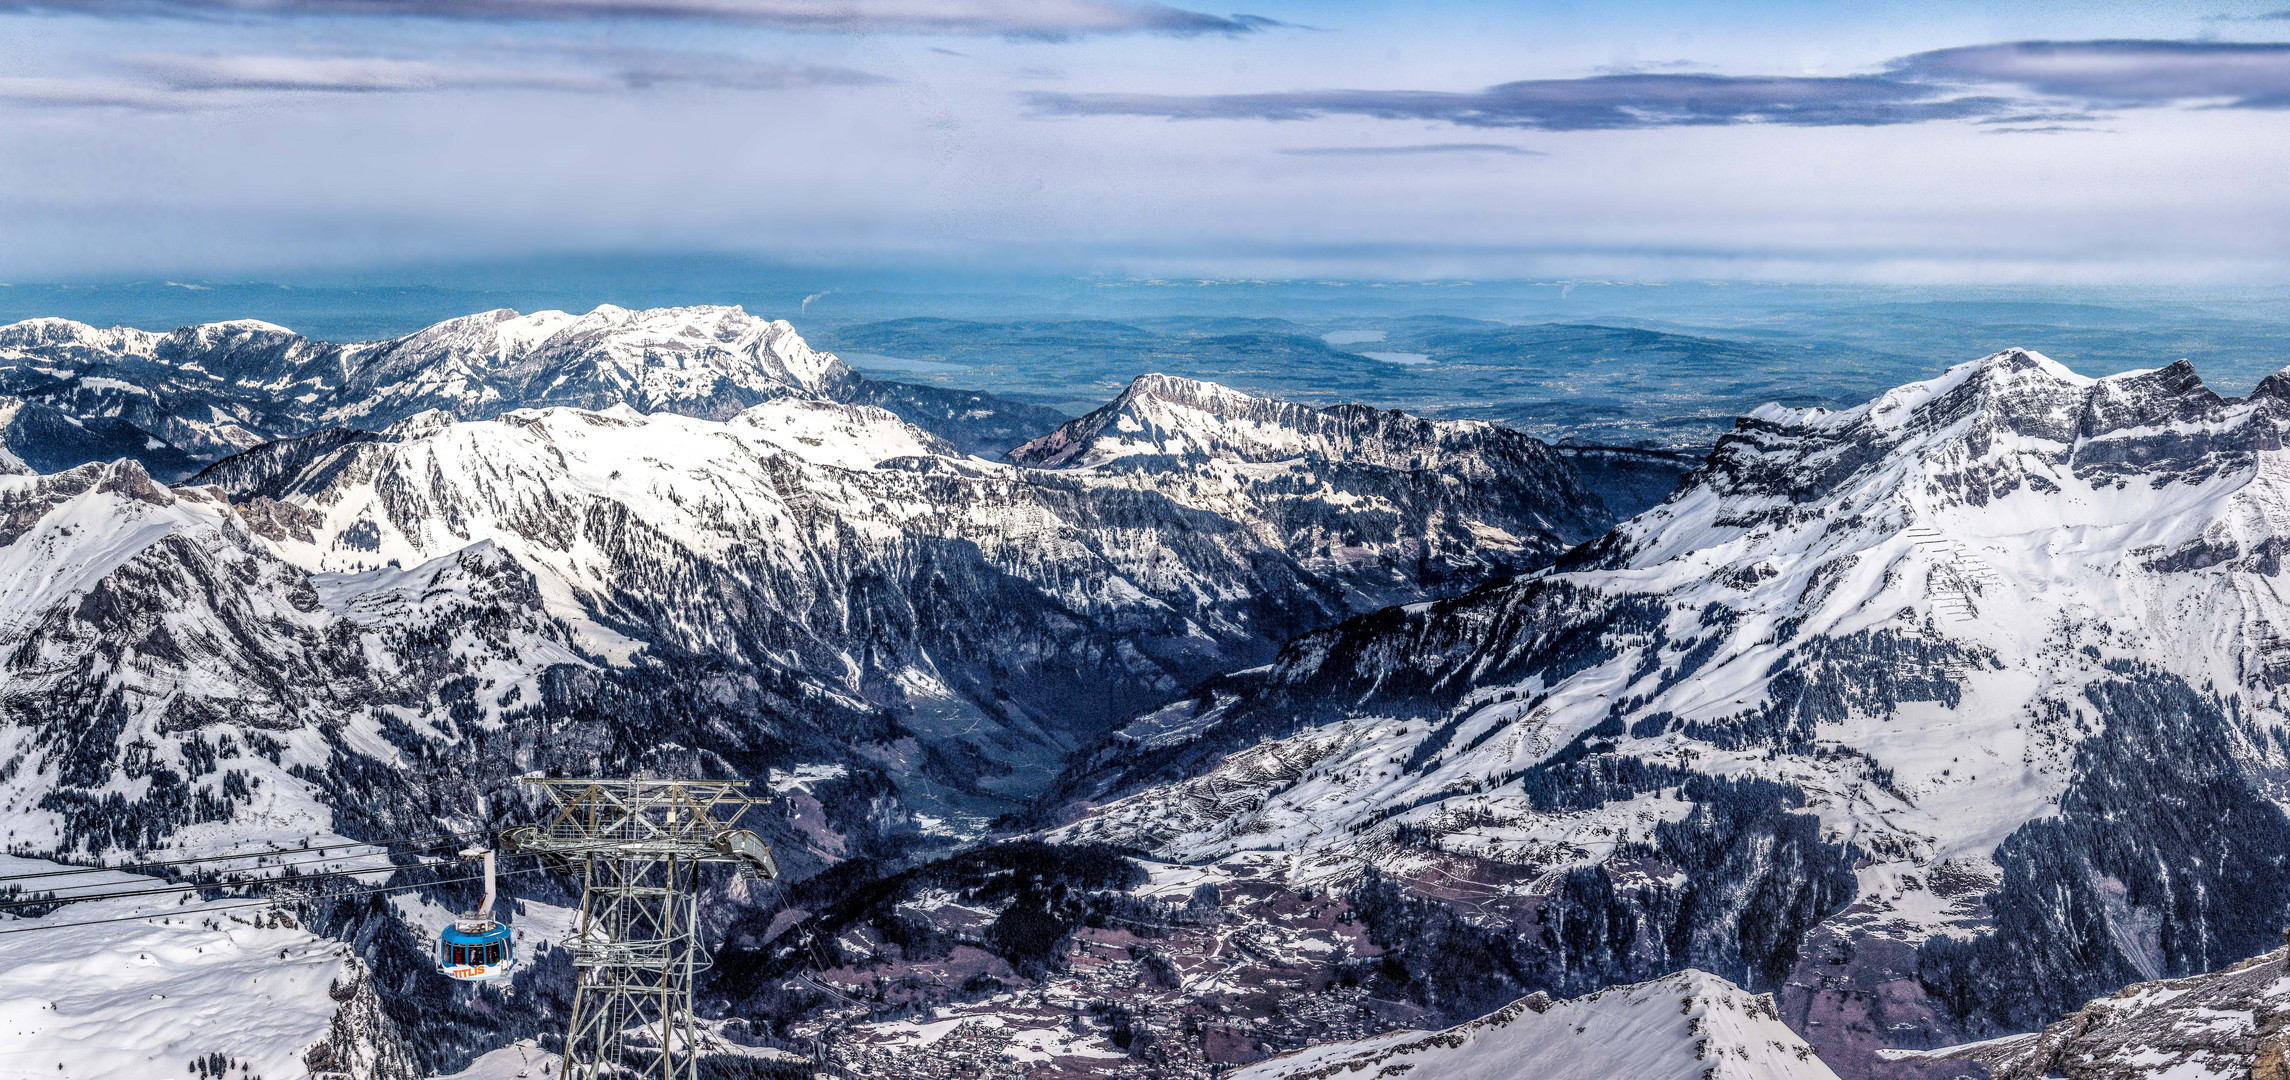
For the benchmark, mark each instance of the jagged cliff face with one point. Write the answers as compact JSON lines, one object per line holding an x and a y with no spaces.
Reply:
{"x":1923,"y":713}
{"x":362,"y":1042}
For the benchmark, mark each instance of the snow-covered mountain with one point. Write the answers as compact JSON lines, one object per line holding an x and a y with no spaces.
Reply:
{"x":1162,"y":416}
{"x":1687,"y":1026}
{"x":704,"y":361}
{"x":1937,"y":716}
{"x":1932,"y":718}
{"x":72,"y":393}
{"x":360,"y":597}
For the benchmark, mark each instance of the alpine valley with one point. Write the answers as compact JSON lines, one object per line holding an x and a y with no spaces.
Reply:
{"x":1203,"y":730}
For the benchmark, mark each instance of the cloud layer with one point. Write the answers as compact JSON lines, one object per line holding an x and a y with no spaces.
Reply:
{"x":1041,"y":19}
{"x":1947,"y":84}
{"x":1597,"y":103}
{"x":1412,"y":150}
{"x":2118,"y":73}
{"x":175,"y":82}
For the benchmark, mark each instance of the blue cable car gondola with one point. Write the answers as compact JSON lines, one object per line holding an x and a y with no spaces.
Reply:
{"x":475,"y":948}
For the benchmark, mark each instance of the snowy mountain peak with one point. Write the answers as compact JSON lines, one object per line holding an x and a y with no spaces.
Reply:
{"x":1166,"y":416}
{"x":193,"y":396}
{"x":708,"y":361}
{"x":1148,"y":401}
{"x":726,"y":335}
{"x":420,"y":425}
{"x":119,"y":342}
{"x":1995,"y":378}
{"x":226,"y":328}
{"x":53,"y":339}
{"x":1687,"y":1026}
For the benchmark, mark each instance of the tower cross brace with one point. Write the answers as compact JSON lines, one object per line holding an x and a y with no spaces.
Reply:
{"x":638,"y":844}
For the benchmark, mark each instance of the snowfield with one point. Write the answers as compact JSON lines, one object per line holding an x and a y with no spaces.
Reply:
{"x":1688,"y":1026}
{"x":157,"y":981}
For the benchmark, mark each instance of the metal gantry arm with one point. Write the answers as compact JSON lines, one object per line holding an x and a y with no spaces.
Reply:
{"x":637,"y":844}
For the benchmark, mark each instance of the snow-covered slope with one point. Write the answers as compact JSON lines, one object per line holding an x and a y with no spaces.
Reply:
{"x":368,"y":634}
{"x":141,"y":625}
{"x":143,"y":986}
{"x":1988,"y":629}
{"x":166,"y":674}
{"x":400,"y":596}
{"x":1687,"y":1026}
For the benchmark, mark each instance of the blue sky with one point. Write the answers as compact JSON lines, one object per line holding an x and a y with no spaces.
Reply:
{"x":1881,"y":142}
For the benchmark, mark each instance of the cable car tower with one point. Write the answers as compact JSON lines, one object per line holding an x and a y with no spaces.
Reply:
{"x":638,"y":845}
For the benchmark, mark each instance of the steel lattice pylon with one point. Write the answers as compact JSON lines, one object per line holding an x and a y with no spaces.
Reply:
{"x":638,"y":844}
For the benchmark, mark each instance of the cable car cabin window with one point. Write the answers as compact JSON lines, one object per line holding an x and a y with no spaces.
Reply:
{"x":460,"y":957}
{"x":493,"y":953}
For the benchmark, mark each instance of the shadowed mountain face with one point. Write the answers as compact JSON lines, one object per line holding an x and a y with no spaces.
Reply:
{"x":1934,"y":644}
{"x":2229,"y":1022}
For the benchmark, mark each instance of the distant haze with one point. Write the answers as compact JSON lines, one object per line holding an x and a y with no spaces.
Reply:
{"x":1666,"y":365}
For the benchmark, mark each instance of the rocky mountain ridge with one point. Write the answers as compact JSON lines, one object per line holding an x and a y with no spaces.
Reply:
{"x":365,"y":634}
{"x":2229,"y":1024}
{"x":72,"y":393}
{"x":840,"y":542}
